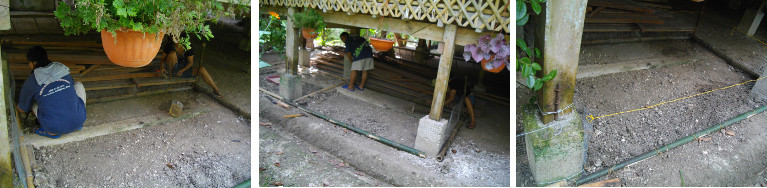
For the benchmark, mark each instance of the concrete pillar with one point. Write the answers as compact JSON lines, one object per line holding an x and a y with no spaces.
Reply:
{"x":290,"y":82}
{"x":556,"y":149}
{"x":432,"y":129}
{"x":760,"y":88}
{"x":6,"y":172}
{"x":751,"y":19}
{"x":420,"y":50}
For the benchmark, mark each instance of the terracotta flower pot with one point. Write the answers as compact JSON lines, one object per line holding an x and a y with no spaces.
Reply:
{"x":494,"y":70}
{"x":307,"y":33}
{"x":381,"y":45}
{"x":131,"y":48}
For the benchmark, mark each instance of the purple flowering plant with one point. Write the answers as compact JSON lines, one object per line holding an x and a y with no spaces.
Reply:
{"x":495,"y":50}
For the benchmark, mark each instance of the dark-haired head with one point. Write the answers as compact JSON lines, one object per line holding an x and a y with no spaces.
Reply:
{"x":343,"y":36}
{"x":38,"y":57}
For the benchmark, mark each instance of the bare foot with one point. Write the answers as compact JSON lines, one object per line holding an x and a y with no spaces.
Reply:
{"x":471,"y":125}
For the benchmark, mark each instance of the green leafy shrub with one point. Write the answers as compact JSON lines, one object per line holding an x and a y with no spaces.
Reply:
{"x":309,"y":18}
{"x":273,"y":36}
{"x":170,"y":16}
{"x":525,"y":63}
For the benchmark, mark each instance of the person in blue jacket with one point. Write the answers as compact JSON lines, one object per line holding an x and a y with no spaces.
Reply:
{"x":55,"y":99}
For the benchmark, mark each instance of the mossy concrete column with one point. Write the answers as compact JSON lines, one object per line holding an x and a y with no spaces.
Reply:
{"x":6,"y":172}
{"x":290,"y":81}
{"x":556,"y":151}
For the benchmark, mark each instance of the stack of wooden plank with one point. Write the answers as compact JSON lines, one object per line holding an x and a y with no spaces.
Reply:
{"x":392,"y":76}
{"x":386,"y":77}
{"x":636,"y":20}
{"x":89,"y":64}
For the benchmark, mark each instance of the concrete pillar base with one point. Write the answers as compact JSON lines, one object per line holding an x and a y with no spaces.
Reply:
{"x":760,"y":88}
{"x":431,"y":135}
{"x":290,"y":86}
{"x":557,"y":152}
{"x":303,"y":57}
{"x":347,"y":68}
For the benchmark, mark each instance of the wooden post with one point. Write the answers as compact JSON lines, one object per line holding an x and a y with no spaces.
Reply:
{"x":558,"y":35}
{"x":752,"y":17}
{"x":443,"y":73}
{"x":6,"y":172}
{"x":292,"y":39}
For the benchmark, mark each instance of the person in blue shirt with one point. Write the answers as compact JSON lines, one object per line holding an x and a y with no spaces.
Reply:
{"x":361,"y":62}
{"x":55,"y":99}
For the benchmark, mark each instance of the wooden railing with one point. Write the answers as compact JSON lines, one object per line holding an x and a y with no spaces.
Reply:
{"x":480,"y":15}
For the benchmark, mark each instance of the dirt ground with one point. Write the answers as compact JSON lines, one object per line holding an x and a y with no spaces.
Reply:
{"x":723,"y":161}
{"x":211,"y":149}
{"x":481,"y":157}
{"x":208,"y":150}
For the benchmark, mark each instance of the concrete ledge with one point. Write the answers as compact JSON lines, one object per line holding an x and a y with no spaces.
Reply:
{"x":105,"y":129}
{"x":367,"y":155}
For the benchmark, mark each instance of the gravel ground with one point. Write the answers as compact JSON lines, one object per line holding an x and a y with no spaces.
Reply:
{"x":480,"y":158}
{"x":618,"y":138}
{"x":208,"y":150}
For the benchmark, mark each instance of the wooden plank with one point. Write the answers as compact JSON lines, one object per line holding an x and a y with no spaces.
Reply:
{"x":91,"y":68}
{"x":596,"y":11}
{"x":607,"y":183}
{"x":443,"y":74}
{"x":25,"y":25}
{"x":115,"y":77}
{"x":49,"y":25}
{"x":87,"y":44}
{"x":610,"y":20}
{"x":25,"y":66}
{"x":623,"y":5}
{"x":134,"y":95}
{"x":116,"y":84}
{"x":30,"y":14}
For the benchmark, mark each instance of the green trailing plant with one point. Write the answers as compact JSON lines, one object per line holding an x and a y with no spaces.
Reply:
{"x":309,"y":18}
{"x":173,"y":17}
{"x":526,"y":64}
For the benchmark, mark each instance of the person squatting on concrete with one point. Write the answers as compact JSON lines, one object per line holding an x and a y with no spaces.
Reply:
{"x":55,"y":99}
{"x":361,"y":62}
{"x":179,"y":62}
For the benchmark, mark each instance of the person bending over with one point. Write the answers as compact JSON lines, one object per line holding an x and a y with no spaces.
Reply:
{"x":55,"y":99}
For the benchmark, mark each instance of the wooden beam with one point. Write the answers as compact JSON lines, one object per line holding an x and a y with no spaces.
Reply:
{"x":559,"y":40}
{"x":443,"y":74}
{"x":417,"y":29}
{"x":292,"y":40}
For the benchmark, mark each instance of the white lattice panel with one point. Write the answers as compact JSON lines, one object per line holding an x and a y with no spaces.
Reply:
{"x":480,"y":15}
